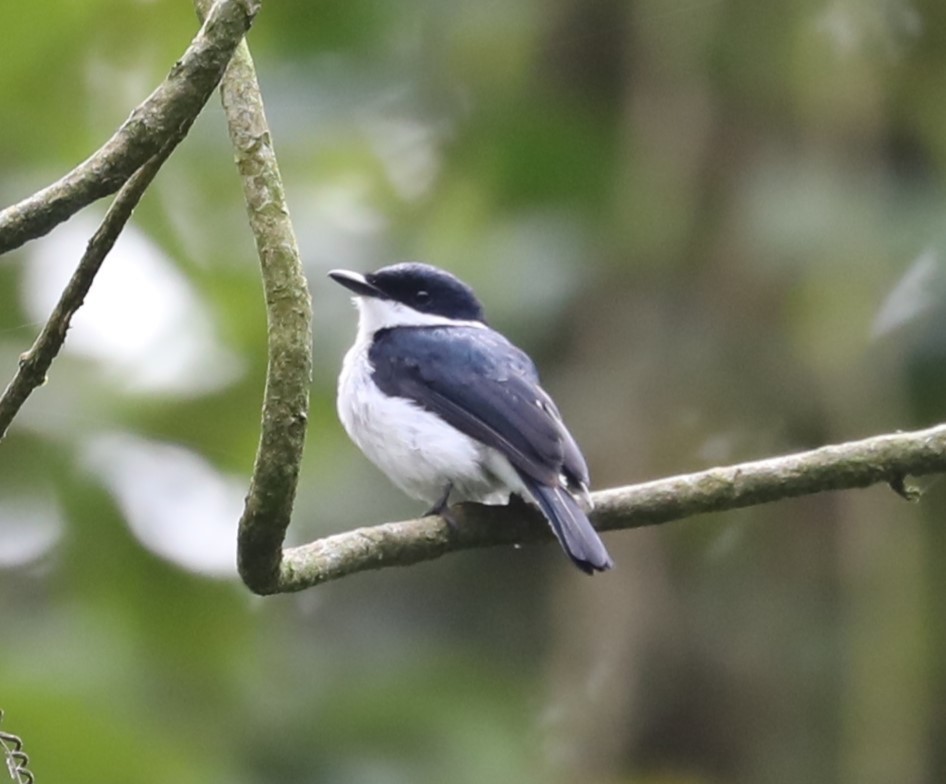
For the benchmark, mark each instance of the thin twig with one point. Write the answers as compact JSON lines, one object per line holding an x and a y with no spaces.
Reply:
{"x":35,"y":363}
{"x":272,"y":490}
{"x":857,"y":464}
{"x":157,"y":126}
{"x":17,"y":762}
{"x":175,"y":103}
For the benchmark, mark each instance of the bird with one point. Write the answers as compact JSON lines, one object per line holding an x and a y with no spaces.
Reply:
{"x":447,"y":407}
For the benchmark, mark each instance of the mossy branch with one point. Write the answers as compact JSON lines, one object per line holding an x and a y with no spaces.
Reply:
{"x":269,"y":501}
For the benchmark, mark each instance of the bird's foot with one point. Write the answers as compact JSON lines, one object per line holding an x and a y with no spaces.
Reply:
{"x":442,"y":509}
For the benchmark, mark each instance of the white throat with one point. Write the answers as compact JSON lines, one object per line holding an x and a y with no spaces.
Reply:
{"x":375,"y":314}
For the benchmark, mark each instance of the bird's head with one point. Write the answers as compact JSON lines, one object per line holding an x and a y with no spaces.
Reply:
{"x":411,"y":294}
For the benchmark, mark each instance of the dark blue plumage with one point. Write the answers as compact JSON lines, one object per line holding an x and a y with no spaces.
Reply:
{"x":427,"y":290}
{"x":571,"y":526}
{"x":488,"y":389}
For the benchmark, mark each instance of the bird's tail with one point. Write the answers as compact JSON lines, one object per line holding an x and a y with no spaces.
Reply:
{"x":571,"y":527}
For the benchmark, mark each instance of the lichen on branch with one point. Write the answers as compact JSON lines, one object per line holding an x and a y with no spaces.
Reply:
{"x":269,"y":502}
{"x":857,"y":464}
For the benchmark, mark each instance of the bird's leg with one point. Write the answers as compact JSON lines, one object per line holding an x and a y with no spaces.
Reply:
{"x":441,"y":508}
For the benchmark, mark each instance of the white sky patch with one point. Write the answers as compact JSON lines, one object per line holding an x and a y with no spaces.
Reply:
{"x":337,"y":226}
{"x":914,"y":294}
{"x":141,"y":319}
{"x":29,"y":528}
{"x":176,"y":504}
{"x":408,"y":150}
{"x":853,"y":26}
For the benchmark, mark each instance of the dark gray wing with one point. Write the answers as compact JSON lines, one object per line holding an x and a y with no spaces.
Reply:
{"x":485,"y":387}
{"x":576,"y":469}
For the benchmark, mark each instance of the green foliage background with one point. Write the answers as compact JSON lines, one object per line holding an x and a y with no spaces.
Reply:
{"x":718,"y":227}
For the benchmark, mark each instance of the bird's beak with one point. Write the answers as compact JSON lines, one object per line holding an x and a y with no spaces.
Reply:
{"x":355,"y":282}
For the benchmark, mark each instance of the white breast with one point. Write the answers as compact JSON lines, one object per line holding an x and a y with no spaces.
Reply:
{"x":416,"y":449}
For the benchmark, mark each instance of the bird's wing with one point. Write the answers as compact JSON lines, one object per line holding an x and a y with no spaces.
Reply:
{"x":485,"y":387}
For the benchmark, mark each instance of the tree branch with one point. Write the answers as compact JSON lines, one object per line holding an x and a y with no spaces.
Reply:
{"x":35,"y":363}
{"x":158,"y":125}
{"x":886,"y":458}
{"x":173,"y":105}
{"x":272,"y":490}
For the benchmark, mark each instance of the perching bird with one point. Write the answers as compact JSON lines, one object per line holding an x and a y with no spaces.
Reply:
{"x":447,"y":407}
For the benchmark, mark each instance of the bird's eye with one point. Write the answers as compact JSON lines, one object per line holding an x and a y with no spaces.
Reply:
{"x":422,"y":297}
